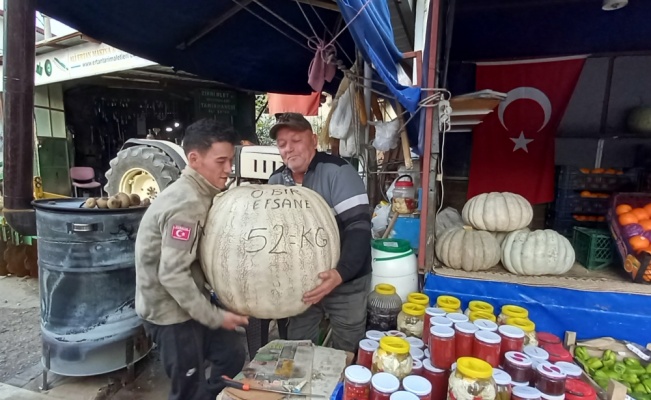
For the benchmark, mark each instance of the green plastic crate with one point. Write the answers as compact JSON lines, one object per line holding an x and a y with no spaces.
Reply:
{"x":594,"y":248}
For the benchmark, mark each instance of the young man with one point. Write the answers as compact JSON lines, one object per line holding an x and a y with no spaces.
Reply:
{"x":342,"y":293}
{"x":170,"y":293}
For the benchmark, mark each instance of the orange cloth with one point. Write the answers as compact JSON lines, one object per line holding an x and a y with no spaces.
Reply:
{"x":306,"y":105}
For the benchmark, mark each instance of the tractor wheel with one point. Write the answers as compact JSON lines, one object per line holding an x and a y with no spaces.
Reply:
{"x":141,"y":169}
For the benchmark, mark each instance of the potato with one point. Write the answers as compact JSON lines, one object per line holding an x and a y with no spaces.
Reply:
{"x":114,"y":202}
{"x":135,"y":199}
{"x":146,"y":202}
{"x":90,"y":203}
{"x":125,"y":200}
{"x":102,"y":202}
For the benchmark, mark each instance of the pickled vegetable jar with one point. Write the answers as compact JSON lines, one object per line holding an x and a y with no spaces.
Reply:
{"x":442,"y":346}
{"x":472,"y":380}
{"x":365,"y":352}
{"x":525,"y":393}
{"x":503,"y":383}
{"x":477,"y":315}
{"x":486,"y":346}
{"x":393,"y":357}
{"x":411,"y":320}
{"x":357,"y":383}
{"x":419,"y":386}
{"x":481,"y":306}
{"x":528,"y":327}
{"x":512,"y":339}
{"x":464,"y":337}
{"x":519,"y":366}
{"x":383,"y":385}
{"x":430,"y":312}
{"x":550,"y":380}
{"x":438,"y":378}
{"x":384,"y":305}
{"x":449,"y":303}
{"x":457,"y":317}
{"x":511,"y":311}
{"x":418,"y":298}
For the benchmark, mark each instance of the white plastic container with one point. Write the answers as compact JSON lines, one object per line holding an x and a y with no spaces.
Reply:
{"x":395,"y":263}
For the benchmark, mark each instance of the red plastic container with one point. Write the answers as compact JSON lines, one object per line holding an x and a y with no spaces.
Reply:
{"x":546,"y":338}
{"x":438,"y":378}
{"x":512,"y":339}
{"x":442,"y":346}
{"x":365,"y":352}
{"x":558,"y":353}
{"x":383,"y":385}
{"x":464,"y":335}
{"x":486,"y":346}
{"x":430,"y":312}
{"x":578,"y":390}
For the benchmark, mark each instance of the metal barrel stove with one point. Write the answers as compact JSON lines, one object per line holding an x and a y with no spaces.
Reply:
{"x":87,"y":288}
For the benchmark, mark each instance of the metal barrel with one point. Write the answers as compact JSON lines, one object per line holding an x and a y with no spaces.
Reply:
{"x":87,"y":287}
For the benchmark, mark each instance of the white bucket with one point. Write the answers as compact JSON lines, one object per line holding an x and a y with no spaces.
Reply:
{"x":395,"y":263}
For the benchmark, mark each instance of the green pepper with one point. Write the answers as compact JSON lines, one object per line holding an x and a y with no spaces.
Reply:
{"x":609,"y":363}
{"x":647,"y":384}
{"x":639,"y":396}
{"x":609,"y":355}
{"x":630,"y":361}
{"x":648,"y":368}
{"x":614,"y":375}
{"x":636,"y":369}
{"x":581,"y":353}
{"x":601,"y":373}
{"x":640,"y":388}
{"x":602,"y":382}
{"x":594,"y":363}
{"x":631,"y":378}
{"x":619,"y":367}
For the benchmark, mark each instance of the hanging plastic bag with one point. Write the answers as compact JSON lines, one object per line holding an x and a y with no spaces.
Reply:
{"x":380,"y":219}
{"x":447,"y":219}
{"x":342,"y":116}
{"x":387,"y":134}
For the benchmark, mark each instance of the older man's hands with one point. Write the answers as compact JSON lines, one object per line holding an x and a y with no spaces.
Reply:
{"x":330,"y":280}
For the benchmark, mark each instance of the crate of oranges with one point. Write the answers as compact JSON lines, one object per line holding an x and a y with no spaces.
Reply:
{"x":629,"y":219}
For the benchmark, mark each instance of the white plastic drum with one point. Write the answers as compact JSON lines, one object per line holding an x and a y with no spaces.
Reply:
{"x":395,"y":263}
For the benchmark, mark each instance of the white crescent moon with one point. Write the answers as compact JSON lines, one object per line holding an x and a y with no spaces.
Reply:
{"x":525,"y":92}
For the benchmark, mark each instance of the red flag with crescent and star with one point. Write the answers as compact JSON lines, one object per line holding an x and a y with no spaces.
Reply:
{"x":513,"y":148}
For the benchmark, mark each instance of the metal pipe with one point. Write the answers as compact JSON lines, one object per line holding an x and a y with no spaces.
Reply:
{"x":47,"y":27}
{"x":18,"y":124}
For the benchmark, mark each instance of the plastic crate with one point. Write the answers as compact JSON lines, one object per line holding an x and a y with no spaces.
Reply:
{"x":565,"y":226}
{"x":594,"y":248}
{"x":571,"y":178}
{"x":569,"y":202}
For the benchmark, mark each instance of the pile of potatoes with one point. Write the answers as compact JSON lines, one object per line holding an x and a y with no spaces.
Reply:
{"x":120,"y":200}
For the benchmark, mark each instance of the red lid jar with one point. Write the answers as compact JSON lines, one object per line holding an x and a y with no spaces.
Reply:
{"x":464,"y":334}
{"x":558,"y":353}
{"x":383,"y":385}
{"x":430,"y":312}
{"x":442,"y":346}
{"x":519,"y":366}
{"x":438,"y":378}
{"x":579,"y":390}
{"x":486,"y":346}
{"x":512,"y":339}
{"x":550,"y":380}
{"x":357,"y":383}
{"x":545,"y":338}
{"x":365,"y":352}
{"x":418,"y":385}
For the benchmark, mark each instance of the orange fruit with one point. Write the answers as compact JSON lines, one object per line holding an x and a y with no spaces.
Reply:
{"x":628,"y":218}
{"x":623,"y":208}
{"x":640,"y":213}
{"x":646,"y":224}
{"x":647,"y":208}
{"x":639,"y":242}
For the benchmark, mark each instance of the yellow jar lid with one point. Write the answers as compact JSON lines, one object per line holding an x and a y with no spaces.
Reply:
{"x":392,"y":344}
{"x":448,"y":302}
{"x":522,"y":323}
{"x":418,"y":298}
{"x":385,"y":289}
{"x":449,"y":310}
{"x":477,"y":305}
{"x":512,"y":311}
{"x":475,"y":315}
{"x":474,"y":368}
{"x":413,"y":309}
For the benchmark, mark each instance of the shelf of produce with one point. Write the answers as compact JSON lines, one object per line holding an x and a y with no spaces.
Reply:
{"x":593,"y":303}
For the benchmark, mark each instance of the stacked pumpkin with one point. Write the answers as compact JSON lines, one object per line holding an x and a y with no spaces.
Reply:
{"x":494,"y":227}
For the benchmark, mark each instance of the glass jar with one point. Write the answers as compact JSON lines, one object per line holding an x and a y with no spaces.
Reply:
{"x":457,"y":317}
{"x":449,"y":303}
{"x":536,"y":354}
{"x":478,"y":305}
{"x":396,"y":333}
{"x":473,"y":379}
{"x":511,"y":311}
{"x":419,"y":386}
{"x":383,"y":385}
{"x":418,"y":298}
{"x":417,"y":367}
{"x":570,"y":369}
{"x":486,"y":346}
{"x":384,"y":305}
{"x":486,"y":325}
{"x":477,"y":315}
{"x":392,"y":357}
{"x":441,"y":321}
{"x":525,"y":393}
{"x":528,"y":327}
{"x":464,"y":336}
{"x":427,"y":353}
{"x":416,"y":353}
{"x":374,"y":335}
{"x":578,"y":390}
{"x":550,"y":380}
{"x":411,"y":320}
{"x":558,"y":353}
{"x":430,"y":312}
{"x":519,"y":366}
{"x":365,"y":352}
{"x":503,"y":383}
{"x":438,"y":378}
{"x":546,"y":338}
{"x":357,"y":383}
{"x":442,"y":346}
{"x":403,"y":395}
{"x":414,"y":342}
{"x":512,"y":339}
{"x":404,"y":199}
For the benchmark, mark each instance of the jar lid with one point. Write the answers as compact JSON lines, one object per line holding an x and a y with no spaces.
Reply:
{"x":395,"y":333}
{"x":511,"y":310}
{"x":511,"y":331}
{"x":415,"y":310}
{"x":526,"y":392}
{"x":457,"y":317}
{"x":416,"y":364}
{"x":522,"y":323}
{"x":550,"y":397}
{"x":518,"y":358}
{"x":374,"y":335}
{"x":466,"y":327}
{"x":414,"y":342}
{"x":441,"y":321}
{"x":418,"y":298}
{"x":536,"y":353}
{"x":385,"y":382}
{"x":476,"y":315}
{"x":427,"y":364}
{"x":448,"y":302}
{"x":392,"y":344}
{"x":441,"y":331}
{"x":394,"y":246}
{"x":404,"y":184}
{"x":549,"y":338}
{"x":449,"y":310}
{"x":402,"y":395}
{"x":579,"y":388}
{"x":368,"y":344}
{"x":551,"y":371}
{"x":502,"y":378}
{"x":514,"y":384}
{"x":427,"y":353}
{"x":453,"y":367}
{"x":435,"y":312}
{"x":474,"y":368}
{"x":570,"y":369}
{"x":486,"y":325}
{"x":416,"y":353}
{"x":488,"y":337}
{"x":385,"y":289}
{"x":358,"y":374}
{"x":417,"y":385}
{"x":477,"y":305}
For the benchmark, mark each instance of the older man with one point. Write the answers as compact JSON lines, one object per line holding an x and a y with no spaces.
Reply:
{"x":342,"y":293}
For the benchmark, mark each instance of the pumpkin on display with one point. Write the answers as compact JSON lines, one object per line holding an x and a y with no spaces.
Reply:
{"x":468,"y":249}
{"x":264,"y":246}
{"x":497,"y":212}
{"x":540,"y":252}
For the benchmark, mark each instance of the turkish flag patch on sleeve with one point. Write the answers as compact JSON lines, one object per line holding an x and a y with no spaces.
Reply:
{"x":180,"y":232}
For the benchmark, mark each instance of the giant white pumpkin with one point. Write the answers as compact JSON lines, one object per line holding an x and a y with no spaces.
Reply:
{"x":467,"y":249}
{"x":541,"y":252}
{"x":264,"y":246}
{"x":497,"y":212}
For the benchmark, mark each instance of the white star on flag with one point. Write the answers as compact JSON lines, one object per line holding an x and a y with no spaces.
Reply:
{"x":521,"y":142}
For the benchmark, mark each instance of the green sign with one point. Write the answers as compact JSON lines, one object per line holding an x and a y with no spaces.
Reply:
{"x":215,"y":103}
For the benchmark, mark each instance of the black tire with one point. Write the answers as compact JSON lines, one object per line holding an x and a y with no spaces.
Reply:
{"x":158,"y":164}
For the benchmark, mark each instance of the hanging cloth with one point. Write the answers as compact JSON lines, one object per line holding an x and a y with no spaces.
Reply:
{"x":321,"y":68}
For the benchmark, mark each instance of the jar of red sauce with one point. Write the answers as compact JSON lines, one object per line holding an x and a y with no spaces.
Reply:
{"x":416,"y":353}
{"x":419,"y":386}
{"x":438,"y":378}
{"x":374,"y":335}
{"x":403,"y":395}
{"x":570,"y":369}
{"x":512,"y":339}
{"x":415,"y":342}
{"x":486,"y":325}
{"x":442,"y":346}
{"x":430,"y":312}
{"x":365,"y":352}
{"x":519,"y":366}
{"x":383,"y":385}
{"x":546,"y":338}
{"x":441,"y":321}
{"x":464,"y":335}
{"x":427,"y":352}
{"x":550,"y":380}
{"x":417,"y":367}
{"x":536,"y":354}
{"x":457,"y":317}
{"x":357,"y":383}
{"x":486,"y":346}
{"x":578,"y":390}
{"x":525,"y":393}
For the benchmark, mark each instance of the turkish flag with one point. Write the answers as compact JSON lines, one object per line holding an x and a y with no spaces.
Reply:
{"x":513,"y":148}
